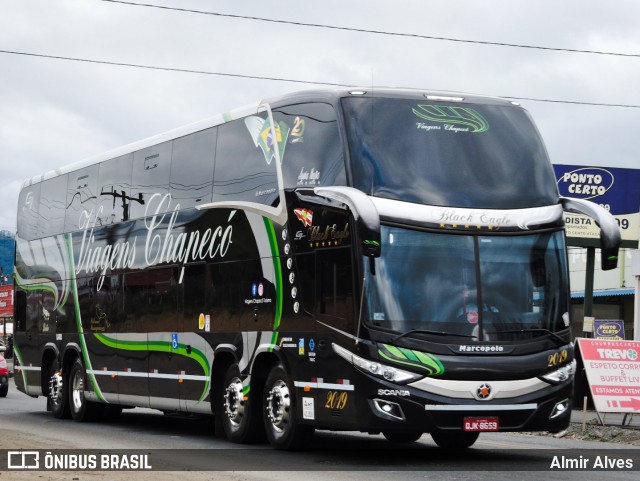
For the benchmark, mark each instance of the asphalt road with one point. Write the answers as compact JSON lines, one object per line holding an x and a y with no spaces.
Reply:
{"x":182,"y":443}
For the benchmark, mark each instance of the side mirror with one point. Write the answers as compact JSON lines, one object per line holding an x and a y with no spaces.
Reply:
{"x":610,"y":238}
{"x":364,"y":213}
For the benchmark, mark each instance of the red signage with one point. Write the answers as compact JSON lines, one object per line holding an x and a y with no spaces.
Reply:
{"x":613,"y":372}
{"x":6,"y":301}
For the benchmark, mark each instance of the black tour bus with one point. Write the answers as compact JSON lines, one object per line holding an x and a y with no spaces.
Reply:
{"x":379,"y":260}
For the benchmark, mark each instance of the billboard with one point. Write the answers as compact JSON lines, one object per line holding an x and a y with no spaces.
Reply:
{"x":613,"y":372}
{"x":6,"y":301}
{"x":615,"y":189}
{"x":7,"y":249}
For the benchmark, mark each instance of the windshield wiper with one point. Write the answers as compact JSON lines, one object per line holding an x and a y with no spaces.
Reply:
{"x":553,"y":335}
{"x":427,"y":331}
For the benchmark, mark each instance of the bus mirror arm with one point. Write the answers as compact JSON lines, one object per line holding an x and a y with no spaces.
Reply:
{"x":364,"y":212}
{"x":610,"y":238}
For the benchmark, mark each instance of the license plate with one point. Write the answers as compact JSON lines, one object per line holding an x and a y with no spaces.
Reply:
{"x":481,"y":424}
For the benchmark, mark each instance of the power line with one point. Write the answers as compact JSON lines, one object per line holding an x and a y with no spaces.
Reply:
{"x":376,"y":32}
{"x":169,"y":69}
{"x":276,"y":79}
{"x":597,"y":104}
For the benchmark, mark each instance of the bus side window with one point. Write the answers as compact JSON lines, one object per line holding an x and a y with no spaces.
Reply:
{"x":114,"y":191}
{"x":20,"y":310}
{"x":151,"y":300}
{"x":150,"y":175}
{"x":28,"y":212}
{"x":192,"y":168}
{"x":194,"y":285}
{"x":313,"y":155}
{"x":245,"y":167}
{"x":33,"y":311}
{"x":81,"y":198}
{"x":51,"y":211}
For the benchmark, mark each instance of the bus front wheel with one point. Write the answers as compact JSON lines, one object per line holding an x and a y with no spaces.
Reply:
{"x":454,"y":440}
{"x":280,"y":414}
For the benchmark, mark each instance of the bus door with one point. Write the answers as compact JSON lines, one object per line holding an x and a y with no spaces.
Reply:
{"x":335,"y":310}
{"x":322,"y":241}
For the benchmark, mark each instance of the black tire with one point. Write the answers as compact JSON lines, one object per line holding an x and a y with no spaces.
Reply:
{"x":57,"y":393}
{"x":4,"y":390}
{"x":239,"y":416}
{"x":81,"y":409}
{"x":280,"y":413}
{"x":459,"y":440}
{"x":402,"y":436}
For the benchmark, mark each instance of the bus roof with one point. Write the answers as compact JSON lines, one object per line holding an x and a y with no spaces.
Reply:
{"x":321,"y":95}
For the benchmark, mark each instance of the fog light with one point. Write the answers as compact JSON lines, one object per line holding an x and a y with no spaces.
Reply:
{"x":388,"y":408}
{"x":559,"y":409}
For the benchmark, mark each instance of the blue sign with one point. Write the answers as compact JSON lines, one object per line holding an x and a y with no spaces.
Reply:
{"x":609,"y":329}
{"x":174,"y":340}
{"x":616,"y":190}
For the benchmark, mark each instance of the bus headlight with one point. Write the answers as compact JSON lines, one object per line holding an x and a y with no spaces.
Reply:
{"x":388,"y":373}
{"x":565,"y":373}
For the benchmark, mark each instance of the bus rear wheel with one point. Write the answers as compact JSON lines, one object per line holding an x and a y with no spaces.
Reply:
{"x":280,"y":413}
{"x":454,"y":440}
{"x":82,"y":410}
{"x":240,"y":417}
{"x":57,"y":394}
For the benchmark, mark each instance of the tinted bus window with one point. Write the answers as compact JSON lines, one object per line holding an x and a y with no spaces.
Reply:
{"x":114,"y":196}
{"x":53,"y":193}
{"x":313,"y":155}
{"x":28,"y":212}
{"x":82,"y":195}
{"x":151,"y":300}
{"x":192,"y":168}
{"x":438,"y":153}
{"x":150,"y":176}
{"x":245,"y":167}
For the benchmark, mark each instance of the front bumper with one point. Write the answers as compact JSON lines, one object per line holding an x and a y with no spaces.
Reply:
{"x":541,"y":407}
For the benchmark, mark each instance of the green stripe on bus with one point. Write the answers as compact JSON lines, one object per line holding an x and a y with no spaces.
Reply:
{"x":76,"y":304}
{"x":160,"y":346}
{"x":277,"y":267}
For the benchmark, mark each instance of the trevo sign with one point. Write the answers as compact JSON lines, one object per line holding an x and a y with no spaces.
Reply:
{"x":613,"y":372}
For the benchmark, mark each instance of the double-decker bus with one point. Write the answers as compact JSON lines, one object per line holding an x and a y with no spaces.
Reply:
{"x":379,"y":260}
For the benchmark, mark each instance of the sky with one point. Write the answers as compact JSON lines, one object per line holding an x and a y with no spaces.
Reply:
{"x":55,"y":111}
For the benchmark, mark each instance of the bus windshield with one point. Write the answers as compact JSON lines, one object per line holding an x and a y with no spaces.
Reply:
{"x":448,"y":154}
{"x":482,"y":287}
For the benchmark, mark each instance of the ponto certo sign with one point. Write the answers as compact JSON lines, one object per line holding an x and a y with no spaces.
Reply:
{"x":590,"y":182}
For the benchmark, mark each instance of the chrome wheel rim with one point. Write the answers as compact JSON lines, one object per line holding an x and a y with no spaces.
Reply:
{"x":278,"y":406}
{"x":234,"y":404}
{"x":77,"y":390}
{"x":55,"y":388}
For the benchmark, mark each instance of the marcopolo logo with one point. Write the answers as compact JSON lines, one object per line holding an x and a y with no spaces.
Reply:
{"x":586,"y":182}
